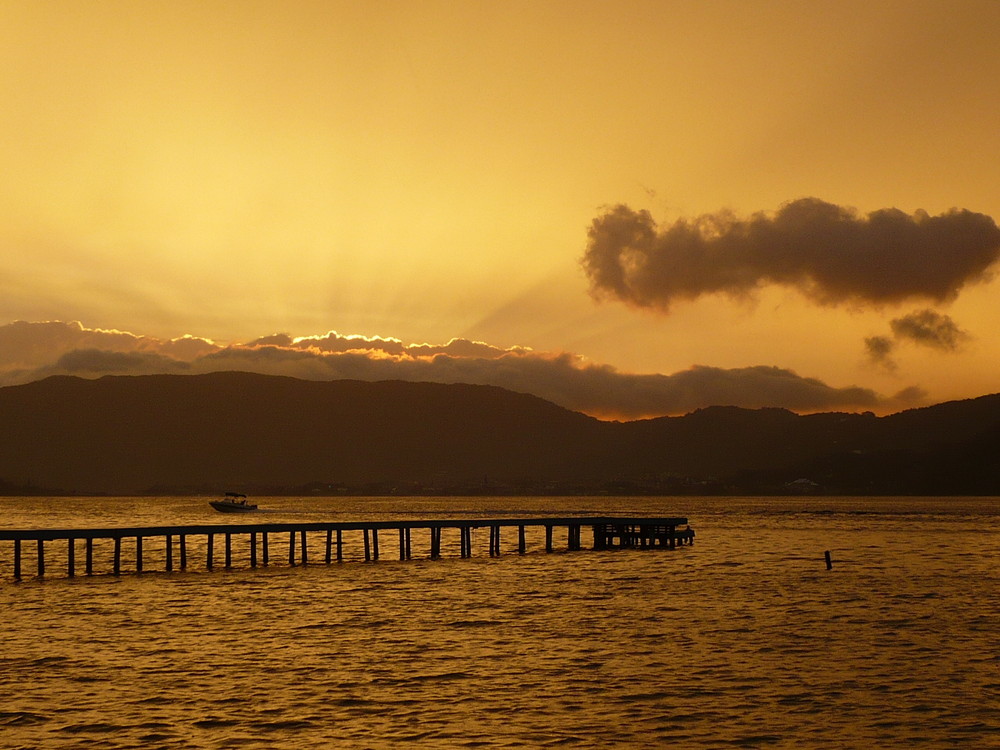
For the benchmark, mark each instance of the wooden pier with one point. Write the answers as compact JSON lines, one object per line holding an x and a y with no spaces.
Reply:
{"x":169,"y":548}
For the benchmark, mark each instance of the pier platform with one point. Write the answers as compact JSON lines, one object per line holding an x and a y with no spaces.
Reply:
{"x":207,"y":547}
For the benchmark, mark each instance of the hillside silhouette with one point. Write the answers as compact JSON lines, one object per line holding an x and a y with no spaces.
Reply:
{"x":258,"y":433}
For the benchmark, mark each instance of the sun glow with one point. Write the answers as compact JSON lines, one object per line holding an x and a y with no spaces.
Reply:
{"x":429,"y":173}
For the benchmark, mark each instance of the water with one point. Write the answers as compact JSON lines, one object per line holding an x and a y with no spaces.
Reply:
{"x":743,"y":640}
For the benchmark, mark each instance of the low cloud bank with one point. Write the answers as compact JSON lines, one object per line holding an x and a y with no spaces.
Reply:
{"x":30,"y":351}
{"x":830,"y":253}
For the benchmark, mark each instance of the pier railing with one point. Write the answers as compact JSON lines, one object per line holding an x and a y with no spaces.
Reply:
{"x":93,"y":551}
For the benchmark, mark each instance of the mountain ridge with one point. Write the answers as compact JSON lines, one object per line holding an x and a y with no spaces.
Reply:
{"x":178,"y":433}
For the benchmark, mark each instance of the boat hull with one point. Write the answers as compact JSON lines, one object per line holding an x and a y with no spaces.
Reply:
{"x":224,"y":506}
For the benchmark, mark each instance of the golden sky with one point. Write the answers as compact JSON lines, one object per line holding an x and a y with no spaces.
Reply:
{"x":428,"y":170}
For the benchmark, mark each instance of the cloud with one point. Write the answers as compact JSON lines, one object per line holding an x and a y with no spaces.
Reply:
{"x":830,"y":253}
{"x":923,"y":327}
{"x":930,"y":328}
{"x":560,"y":377}
{"x":879,"y":350}
{"x":336,"y":342}
{"x":25,"y":345}
{"x":89,"y":362}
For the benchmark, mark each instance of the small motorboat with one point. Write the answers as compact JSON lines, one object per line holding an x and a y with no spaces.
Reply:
{"x":233,"y":502}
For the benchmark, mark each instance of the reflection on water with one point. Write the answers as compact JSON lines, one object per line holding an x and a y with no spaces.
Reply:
{"x":743,"y":640}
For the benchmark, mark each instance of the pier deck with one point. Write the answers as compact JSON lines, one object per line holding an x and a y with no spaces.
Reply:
{"x":181,"y":546}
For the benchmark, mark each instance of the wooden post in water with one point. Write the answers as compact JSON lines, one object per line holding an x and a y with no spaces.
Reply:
{"x":71,"y":557}
{"x":169,"y":550}
{"x":41,"y":558}
{"x":291,"y":548}
{"x":305,"y":548}
{"x":407,"y":543}
{"x":340,"y":545}
{"x":548,"y":537}
{"x":253,"y":549}
{"x":435,"y":542}
{"x":368,"y":551}
{"x":375,"y":544}
{"x":521,"y":542}
{"x":138,"y":554}
{"x":829,"y":561}
{"x":402,"y":545}
{"x":89,"y":561}
{"x":263,"y":548}
{"x":229,"y":550}
{"x":17,"y":559}
{"x":184,"y":552}
{"x":329,"y":545}
{"x":208,"y":554}
{"x":117,"y":564}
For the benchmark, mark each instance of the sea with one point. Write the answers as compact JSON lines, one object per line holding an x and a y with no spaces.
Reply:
{"x":743,"y":640}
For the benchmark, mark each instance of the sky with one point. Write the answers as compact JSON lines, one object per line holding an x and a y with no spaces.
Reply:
{"x":631,"y":208}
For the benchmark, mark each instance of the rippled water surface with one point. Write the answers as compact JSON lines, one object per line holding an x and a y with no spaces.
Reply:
{"x":742,"y":640}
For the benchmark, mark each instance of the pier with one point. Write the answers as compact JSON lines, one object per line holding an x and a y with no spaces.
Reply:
{"x":115,"y":551}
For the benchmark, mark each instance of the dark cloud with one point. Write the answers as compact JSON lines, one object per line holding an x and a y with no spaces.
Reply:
{"x":924,"y":327}
{"x":879,"y":349}
{"x":604,"y":391}
{"x":830,"y":253}
{"x":30,"y":345}
{"x":908,"y":398}
{"x":275,"y":339}
{"x":462,"y":348}
{"x":96,"y":362}
{"x":930,"y":328}
{"x":562,"y":378}
{"x":335,"y":342}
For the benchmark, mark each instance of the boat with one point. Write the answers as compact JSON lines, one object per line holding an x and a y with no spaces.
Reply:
{"x":233,"y":502}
